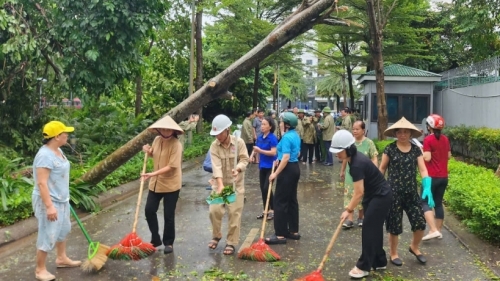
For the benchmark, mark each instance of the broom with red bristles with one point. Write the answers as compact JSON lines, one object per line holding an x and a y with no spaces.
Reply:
{"x":316,"y":275}
{"x":131,"y":247}
{"x":260,"y":251}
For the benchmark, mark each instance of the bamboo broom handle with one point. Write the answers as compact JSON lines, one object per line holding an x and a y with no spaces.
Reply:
{"x":264,"y":219}
{"x":330,"y":246}
{"x":140,"y":193}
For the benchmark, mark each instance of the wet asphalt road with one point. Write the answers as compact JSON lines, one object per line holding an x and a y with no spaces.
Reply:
{"x":320,"y":199}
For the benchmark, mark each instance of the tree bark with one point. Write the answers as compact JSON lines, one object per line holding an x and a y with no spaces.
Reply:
{"x":292,"y":27}
{"x":351,"y":87}
{"x":497,"y":173}
{"x":138,"y":94}
{"x":255,"y":97}
{"x":198,"y":83}
{"x":344,"y":91}
{"x":378,"y":63}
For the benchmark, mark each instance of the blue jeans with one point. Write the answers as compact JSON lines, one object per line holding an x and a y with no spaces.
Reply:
{"x":328,"y":158}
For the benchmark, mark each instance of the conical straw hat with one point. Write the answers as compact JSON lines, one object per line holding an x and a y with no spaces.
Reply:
{"x":166,"y":123}
{"x":402,"y":124}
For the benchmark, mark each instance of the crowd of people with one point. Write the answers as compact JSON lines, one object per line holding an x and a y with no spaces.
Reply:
{"x":278,"y":143}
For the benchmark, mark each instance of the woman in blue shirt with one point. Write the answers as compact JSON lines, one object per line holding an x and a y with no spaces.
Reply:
{"x":286,"y":206}
{"x":266,"y":147}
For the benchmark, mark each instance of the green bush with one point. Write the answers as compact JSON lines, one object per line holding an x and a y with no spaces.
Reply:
{"x":473,"y":194}
{"x":381,"y":145}
{"x":481,"y":144}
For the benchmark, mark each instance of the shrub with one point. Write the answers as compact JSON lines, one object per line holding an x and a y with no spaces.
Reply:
{"x":481,"y":144}
{"x":473,"y":194}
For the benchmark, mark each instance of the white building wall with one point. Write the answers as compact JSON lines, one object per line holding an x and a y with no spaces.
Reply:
{"x":471,"y":106}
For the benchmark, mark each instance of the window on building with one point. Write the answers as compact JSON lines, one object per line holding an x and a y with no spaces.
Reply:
{"x":309,"y":62}
{"x":412,"y":107}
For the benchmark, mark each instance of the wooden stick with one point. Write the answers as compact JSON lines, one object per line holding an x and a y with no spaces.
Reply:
{"x":264,"y":219}
{"x":330,"y":246}
{"x":140,"y":193}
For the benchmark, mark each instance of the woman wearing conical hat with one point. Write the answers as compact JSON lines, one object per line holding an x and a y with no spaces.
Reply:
{"x":401,"y":159}
{"x":165,"y":180}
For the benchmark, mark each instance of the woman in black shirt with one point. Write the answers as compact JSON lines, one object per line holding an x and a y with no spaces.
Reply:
{"x":371,"y":186}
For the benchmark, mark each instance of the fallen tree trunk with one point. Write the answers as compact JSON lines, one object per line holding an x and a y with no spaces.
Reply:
{"x":311,"y":12}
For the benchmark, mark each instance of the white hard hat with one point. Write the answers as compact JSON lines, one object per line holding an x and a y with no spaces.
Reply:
{"x":219,"y":124}
{"x":341,"y":140}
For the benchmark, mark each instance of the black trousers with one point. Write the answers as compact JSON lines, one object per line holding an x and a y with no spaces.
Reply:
{"x":372,"y":234}
{"x":249,"y":148}
{"x":329,"y":156}
{"x":307,"y":150}
{"x":317,"y":150}
{"x":264,"y":174}
{"x":438,"y":187}
{"x":286,"y":206}
{"x":169,"y":204}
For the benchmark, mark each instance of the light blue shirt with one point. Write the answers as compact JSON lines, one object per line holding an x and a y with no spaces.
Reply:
{"x":58,"y":181}
{"x":289,"y":144}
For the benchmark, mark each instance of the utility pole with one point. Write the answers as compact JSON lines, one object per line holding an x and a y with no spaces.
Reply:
{"x":191,"y":60}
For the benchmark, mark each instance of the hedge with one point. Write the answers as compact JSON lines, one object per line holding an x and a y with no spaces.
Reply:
{"x":481,"y":144}
{"x":473,"y":195}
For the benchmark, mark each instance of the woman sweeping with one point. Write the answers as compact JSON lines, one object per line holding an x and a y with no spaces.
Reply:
{"x":266,"y":147}
{"x":50,"y":199}
{"x":166,"y":180}
{"x":369,"y":184}
{"x":367,"y":147}
{"x":437,"y":152}
{"x":286,"y":205}
{"x":402,"y":158}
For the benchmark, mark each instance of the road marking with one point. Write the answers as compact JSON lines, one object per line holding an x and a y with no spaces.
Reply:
{"x":249,"y":240}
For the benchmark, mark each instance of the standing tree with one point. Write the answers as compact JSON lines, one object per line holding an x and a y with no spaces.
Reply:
{"x":378,"y":14}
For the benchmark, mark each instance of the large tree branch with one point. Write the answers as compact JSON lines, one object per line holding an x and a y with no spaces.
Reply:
{"x":293,"y":26}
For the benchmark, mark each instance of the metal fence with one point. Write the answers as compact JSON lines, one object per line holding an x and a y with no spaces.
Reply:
{"x":484,"y":72}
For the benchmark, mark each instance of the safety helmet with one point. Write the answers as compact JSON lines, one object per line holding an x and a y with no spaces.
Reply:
{"x":435,"y":121}
{"x":219,"y":124}
{"x":341,"y":140}
{"x":290,"y":119}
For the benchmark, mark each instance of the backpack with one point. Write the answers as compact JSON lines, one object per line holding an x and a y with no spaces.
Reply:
{"x":207,"y":163}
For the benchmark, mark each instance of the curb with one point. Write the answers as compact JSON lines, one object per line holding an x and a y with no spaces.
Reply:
{"x":25,"y":228}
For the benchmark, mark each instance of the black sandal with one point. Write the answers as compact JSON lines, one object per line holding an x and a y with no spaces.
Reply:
{"x":261,"y":216}
{"x":273,"y":240}
{"x":229,"y":250}
{"x":214,"y":243}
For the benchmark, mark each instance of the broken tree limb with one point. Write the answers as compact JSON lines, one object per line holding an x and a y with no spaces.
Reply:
{"x":291,"y":27}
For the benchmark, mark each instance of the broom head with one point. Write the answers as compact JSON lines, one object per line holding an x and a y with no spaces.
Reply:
{"x":259,"y":251}
{"x":313,"y":276}
{"x":97,"y":260}
{"x":131,"y":248}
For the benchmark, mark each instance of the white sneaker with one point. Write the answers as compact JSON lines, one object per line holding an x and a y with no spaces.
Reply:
{"x":358,"y":273}
{"x":435,"y":234}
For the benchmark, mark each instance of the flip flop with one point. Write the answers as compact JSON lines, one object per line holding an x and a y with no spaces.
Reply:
{"x":71,"y":264}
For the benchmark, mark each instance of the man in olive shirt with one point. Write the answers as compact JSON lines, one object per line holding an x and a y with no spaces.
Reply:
{"x":247,"y":132}
{"x":187,"y":126}
{"x":328,"y":129}
{"x":318,"y":144}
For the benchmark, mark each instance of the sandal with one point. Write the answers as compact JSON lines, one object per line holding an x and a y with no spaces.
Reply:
{"x":275,"y":240}
{"x":270,"y":216}
{"x":293,"y":236}
{"x":214,"y":243}
{"x":261,"y":216}
{"x":228,"y":250}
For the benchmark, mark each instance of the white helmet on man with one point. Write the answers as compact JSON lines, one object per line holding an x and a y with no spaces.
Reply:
{"x":341,"y":140}
{"x":219,"y":124}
